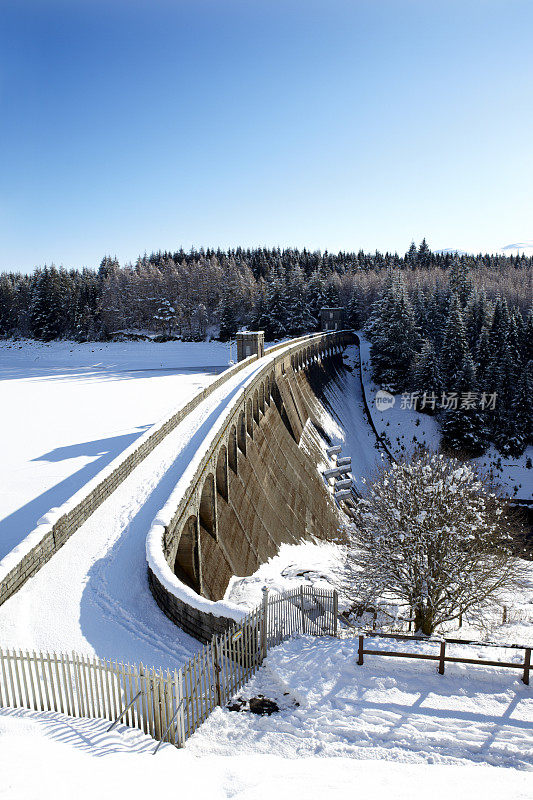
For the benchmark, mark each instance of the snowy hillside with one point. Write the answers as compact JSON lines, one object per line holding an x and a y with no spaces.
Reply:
{"x":405,"y":429}
{"x":518,"y":248}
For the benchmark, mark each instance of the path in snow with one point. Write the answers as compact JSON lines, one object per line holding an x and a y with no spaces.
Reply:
{"x":93,"y":595}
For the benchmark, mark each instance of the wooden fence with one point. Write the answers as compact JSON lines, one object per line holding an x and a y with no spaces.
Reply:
{"x":442,"y":657}
{"x":169,"y":706}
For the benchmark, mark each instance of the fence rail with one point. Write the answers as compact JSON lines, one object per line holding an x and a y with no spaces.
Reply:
{"x":169,"y":706}
{"x":442,"y":658}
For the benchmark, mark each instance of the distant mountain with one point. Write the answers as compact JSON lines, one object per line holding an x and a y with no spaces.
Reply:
{"x":521,"y":247}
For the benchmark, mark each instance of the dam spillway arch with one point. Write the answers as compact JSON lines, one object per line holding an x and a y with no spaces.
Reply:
{"x":253,"y":489}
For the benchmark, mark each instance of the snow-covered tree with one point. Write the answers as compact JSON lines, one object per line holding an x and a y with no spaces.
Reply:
{"x":423,"y":255}
{"x":522,"y":412}
{"x":426,"y":378}
{"x":165,"y":316}
{"x":356,"y":310}
{"x":460,"y":283}
{"x":299,"y":319}
{"x":454,"y":346}
{"x":430,"y":536}
{"x":463,"y":424}
{"x":392,"y":332}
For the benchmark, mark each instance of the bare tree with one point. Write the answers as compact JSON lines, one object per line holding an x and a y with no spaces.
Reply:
{"x":429,"y":535}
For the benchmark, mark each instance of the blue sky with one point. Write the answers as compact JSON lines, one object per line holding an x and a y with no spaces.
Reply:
{"x":133,"y":126}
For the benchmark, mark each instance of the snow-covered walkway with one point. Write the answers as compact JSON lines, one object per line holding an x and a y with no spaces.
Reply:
{"x":93,"y":595}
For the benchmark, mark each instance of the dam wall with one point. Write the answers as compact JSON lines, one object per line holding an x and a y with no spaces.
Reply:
{"x":254,"y":487}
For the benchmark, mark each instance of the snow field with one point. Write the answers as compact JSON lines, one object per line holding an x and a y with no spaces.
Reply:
{"x":77,"y":758}
{"x":389,"y":708}
{"x":69,"y":409}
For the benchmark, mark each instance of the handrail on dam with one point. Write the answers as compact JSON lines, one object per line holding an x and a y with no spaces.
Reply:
{"x":195,"y":496}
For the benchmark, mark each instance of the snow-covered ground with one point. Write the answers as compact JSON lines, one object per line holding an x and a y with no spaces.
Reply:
{"x":405,"y":429}
{"x":69,"y":409}
{"x":320,"y":564}
{"x":76,"y":758}
{"x":389,"y":709}
{"x":345,"y":421}
{"x":391,"y":728}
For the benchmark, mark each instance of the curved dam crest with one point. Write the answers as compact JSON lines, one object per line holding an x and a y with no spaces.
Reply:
{"x":256,"y":487}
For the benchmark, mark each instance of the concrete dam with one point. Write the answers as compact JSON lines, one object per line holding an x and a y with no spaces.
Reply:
{"x":258,"y":487}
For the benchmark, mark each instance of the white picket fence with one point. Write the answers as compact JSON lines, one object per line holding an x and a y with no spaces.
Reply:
{"x":169,"y":706}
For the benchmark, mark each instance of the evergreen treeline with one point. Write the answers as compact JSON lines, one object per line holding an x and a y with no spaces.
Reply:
{"x":187,"y":294}
{"x":460,"y":355}
{"x":438,"y":322}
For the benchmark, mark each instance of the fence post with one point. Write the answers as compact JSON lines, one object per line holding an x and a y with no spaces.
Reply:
{"x":216,"y":664}
{"x":527,"y":666}
{"x":302,"y":607}
{"x":441,"y":657}
{"x":360,"y":659}
{"x":335,"y":611}
{"x":264,"y":624}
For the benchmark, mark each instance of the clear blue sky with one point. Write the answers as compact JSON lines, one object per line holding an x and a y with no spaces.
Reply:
{"x":133,"y":126}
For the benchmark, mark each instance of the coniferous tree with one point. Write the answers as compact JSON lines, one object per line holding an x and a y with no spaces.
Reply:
{"x":528,"y":338}
{"x":454,"y":350}
{"x":502,"y":420}
{"x":411,"y":257}
{"x":8,"y":320}
{"x":460,"y":283}
{"x":276,"y":311}
{"x":299,"y":319}
{"x":355,"y":310}
{"x":394,"y":339}
{"x":427,"y":381}
{"x":423,"y":260}
{"x":315,"y":297}
{"x":522,"y":411}
{"x":483,"y":359}
{"x":463,"y":428}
